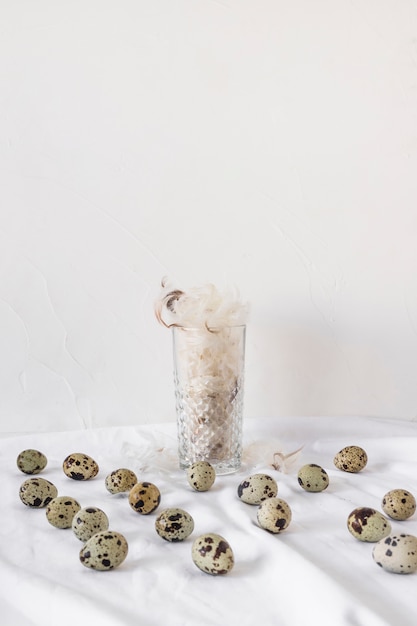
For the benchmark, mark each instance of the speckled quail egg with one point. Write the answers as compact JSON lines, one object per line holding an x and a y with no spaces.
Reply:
{"x":257,"y":488}
{"x":274,"y":515}
{"x":367,"y":524}
{"x":174,"y":524}
{"x":37,"y":492}
{"x":212,"y":554}
{"x":144,"y":498}
{"x":312,"y":477}
{"x":399,"y":504}
{"x":120,"y":480}
{"x":397,"y":554}
{"x":105,"y":550}
{"x":80,"y":466}
{"x":351,"y":459}
{"x":31,"y":461}
{"x":61,"y":510}
{"x":89,"y":521}
{"x":201,"y":475}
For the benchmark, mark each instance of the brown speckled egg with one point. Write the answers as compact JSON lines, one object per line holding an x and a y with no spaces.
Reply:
{"x":37,"y":492}
{"x":31,"y":461}
{"x":89,"y":521}
{"x":257,"y":488}
{"x":144,"y":498}
{"x":397,"y":554}
{"x":312,"y":477}
{"x":120,"y":480}
{"x":174,"y":525}
{"x":80,"y":466}
{"x":351,"y":459}
{"x":367,"y":524}
{"x":201,"y":475}
{"x":61,"y":510}
{"x":105,"y":550}
{"x":399,"y":504}
{"x":274,"y":515}
{"x":212,"y":554}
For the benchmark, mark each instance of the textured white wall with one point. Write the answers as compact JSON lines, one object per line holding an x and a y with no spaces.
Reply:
{"x":264,"y":144}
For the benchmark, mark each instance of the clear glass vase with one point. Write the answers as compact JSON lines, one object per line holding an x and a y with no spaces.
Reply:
{"x":209,"y":386}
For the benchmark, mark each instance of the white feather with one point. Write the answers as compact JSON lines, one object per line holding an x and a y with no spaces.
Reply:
{"x":269,"y":453}
{"x":200,"y":307}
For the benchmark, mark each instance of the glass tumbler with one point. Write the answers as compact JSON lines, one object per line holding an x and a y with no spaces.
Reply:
{"x":209,"y":385}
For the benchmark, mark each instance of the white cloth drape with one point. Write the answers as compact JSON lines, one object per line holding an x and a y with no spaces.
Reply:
{"x":314,"y":572}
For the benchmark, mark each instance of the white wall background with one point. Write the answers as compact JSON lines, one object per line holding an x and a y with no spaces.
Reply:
{"x":265,"y":144}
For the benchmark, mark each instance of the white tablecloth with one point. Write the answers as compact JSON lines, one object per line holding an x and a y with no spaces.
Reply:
{"x":313,"y":572}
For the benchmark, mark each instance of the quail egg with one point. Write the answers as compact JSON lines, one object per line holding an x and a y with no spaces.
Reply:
{"x":174,"y":525}
{"x":80,"y":466}
{"x":312,"y":477}
{"x":61,"y":510}
{"x":201,"y":475}
{"x":89,"y":521}
{"x":399,"y":504}
{"x":351,"y":459}
{"x":257,"y":488}
{"x":37,"y":492}
{"x":274,"y":515}
{"x":31,"y":461}
{"x":144,"y":498}
{"x":105,"y":550}
{"x":367,"y":524}
{"x":397,"y":554}
{"x":212,"y":554}
{"x":120,"y":480}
